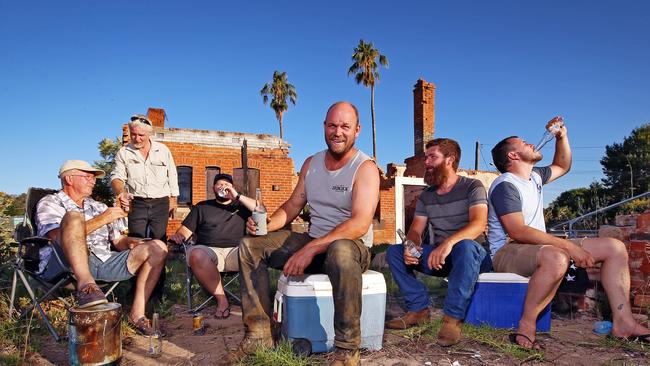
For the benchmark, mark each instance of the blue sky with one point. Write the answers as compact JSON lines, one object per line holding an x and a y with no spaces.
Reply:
{"x":72,"y":72}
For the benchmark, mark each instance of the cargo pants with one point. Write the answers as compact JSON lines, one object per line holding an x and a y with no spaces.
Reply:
{"x":344,"y":262}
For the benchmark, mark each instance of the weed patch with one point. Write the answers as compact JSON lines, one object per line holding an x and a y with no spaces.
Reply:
{"x":280,"y":355}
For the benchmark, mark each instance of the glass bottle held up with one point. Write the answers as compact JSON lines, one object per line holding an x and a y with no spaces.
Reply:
{"x":413,"y":249}
{"x":155,"y":339}
{"x":550,"y":133}
{"x":259,"y":214}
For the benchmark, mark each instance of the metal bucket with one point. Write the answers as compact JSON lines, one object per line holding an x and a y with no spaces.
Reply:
{"x":94,"y":335}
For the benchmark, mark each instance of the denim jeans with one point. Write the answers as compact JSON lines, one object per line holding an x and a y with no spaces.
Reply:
{"x":462,"y":266}
{"x":344,"y":262}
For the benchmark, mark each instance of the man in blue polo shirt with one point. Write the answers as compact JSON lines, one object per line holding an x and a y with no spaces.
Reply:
{"x":519,"y":242}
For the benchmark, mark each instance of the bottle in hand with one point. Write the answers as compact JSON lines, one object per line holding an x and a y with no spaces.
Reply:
{"x":259,"y":214}
{"x":409,"y":245}
{"x":550,"y":133}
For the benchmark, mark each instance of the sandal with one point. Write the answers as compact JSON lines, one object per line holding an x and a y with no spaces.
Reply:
{"x":225,"y":314}
{"x":535,"y":345}
{"x":143,"y":326}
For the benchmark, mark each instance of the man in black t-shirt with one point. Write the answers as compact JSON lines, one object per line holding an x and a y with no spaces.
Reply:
{"x":217,"y":225}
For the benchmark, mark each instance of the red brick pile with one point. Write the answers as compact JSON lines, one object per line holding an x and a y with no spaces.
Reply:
{"x":634,"y":231}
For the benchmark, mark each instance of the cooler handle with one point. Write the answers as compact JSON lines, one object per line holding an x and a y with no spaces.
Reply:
{"x":277,"y":307}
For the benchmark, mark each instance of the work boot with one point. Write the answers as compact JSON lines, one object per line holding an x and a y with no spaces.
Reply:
{"x":246,"y":347}
{"x":345,"y":357}
{"x":449,"y":333}
{"x":409,"y":319}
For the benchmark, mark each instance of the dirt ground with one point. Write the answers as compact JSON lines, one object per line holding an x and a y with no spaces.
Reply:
{"x":571,"y":342}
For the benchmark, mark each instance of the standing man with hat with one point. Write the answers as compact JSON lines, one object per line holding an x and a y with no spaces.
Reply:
{"x":145,"y":171}
{"x":218,"y":225}
{"x":83,"y":231}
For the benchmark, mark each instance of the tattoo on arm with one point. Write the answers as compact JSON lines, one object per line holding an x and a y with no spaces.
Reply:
{"x":620,"y":307}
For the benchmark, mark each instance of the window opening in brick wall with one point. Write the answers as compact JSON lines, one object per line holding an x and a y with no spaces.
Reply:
{"x":253,"y":180}
{"x":210,"y":172}
{"x":184,"y":185}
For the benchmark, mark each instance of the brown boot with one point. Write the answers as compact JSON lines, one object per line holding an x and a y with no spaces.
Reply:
{"x":246,"y":347}
{"x":345,"y":357}
{"x":449,"y":333}
{"x":409,"y":319}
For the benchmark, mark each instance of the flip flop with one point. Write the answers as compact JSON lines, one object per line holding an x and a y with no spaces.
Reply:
{"x":642,"y":338}
{"x":225,"y":314}
{"x":535,"y":345}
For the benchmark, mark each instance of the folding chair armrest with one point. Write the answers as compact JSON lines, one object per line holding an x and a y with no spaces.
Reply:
{"x":41,"y":241}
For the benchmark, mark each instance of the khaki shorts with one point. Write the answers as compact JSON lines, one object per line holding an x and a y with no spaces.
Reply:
{"x":519,"y":258}
{"x":226,"y":259}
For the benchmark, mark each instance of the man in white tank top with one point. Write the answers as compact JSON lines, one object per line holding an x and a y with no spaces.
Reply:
{"x":515,"y":211}
{"x":341,"y":185}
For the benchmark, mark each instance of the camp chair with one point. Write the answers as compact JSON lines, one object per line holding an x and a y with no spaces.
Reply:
{"x":26,"y":263}
{"x":231,"y":276}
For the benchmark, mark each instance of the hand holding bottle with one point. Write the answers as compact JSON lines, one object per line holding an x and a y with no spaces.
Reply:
{"x":412,"y":252}
{"x":554,"y":128}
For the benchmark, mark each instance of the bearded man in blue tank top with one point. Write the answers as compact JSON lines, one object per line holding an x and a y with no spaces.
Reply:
{"x":519,"y":242}
{"x":341,"y":185}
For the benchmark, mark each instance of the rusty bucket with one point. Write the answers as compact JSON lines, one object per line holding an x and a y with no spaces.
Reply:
{"x":95,"y":336}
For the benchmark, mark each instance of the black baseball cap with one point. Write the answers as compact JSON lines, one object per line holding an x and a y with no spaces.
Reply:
{"x":223,"y":176}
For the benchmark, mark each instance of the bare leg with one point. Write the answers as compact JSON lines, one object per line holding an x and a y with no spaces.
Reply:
{"x":206,"y":272}
{"x":73,"y":243}
{"x":615,"y":277}
{"x":551,"y":266}
{"x":147,"y":260}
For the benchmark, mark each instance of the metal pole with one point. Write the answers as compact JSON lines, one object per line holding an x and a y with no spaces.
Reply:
{"x":631,"y":176}
{"x":244,"y":163}
{"x":477,"y":154}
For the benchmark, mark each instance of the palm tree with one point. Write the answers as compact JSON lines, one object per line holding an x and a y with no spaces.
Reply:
{"x":365,"y":69}
{"x":279,"y":90}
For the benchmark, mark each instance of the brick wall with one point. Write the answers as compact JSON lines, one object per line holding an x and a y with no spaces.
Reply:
{"x":200,"y":149}
{"x":634,"y":231}
{"x":639,"y":262}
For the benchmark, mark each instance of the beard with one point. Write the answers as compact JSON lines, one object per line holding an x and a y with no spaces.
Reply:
{"x":339,"y":151}
{"x":531,"y":157}
{"x":436,"y":175}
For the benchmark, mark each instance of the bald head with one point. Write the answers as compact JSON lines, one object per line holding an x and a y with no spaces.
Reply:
{"x":343,"y":105}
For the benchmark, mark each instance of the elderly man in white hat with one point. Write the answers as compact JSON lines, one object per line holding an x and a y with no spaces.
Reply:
{"x":84,"y":230}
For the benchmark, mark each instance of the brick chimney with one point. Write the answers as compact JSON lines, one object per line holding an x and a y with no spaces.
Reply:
{"x":424,"y":114}
{"x":157,"y":117}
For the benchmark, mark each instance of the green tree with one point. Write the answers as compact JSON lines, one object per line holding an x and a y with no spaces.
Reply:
{"x":17,"y":205}
{"x":626,"y":165}
{"x":364,"y":68}
{"x":279,"y":90}
{"x":576,"y":202}
{"x":107,"y":150}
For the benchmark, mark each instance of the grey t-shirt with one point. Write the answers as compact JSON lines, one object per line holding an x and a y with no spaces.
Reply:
{"x":449,"y":212}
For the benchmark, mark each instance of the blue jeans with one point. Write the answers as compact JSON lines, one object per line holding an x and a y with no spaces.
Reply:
{"x":462,"y":266}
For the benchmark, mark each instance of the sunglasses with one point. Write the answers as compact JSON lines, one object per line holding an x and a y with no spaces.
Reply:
{"x":140,"y":119}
